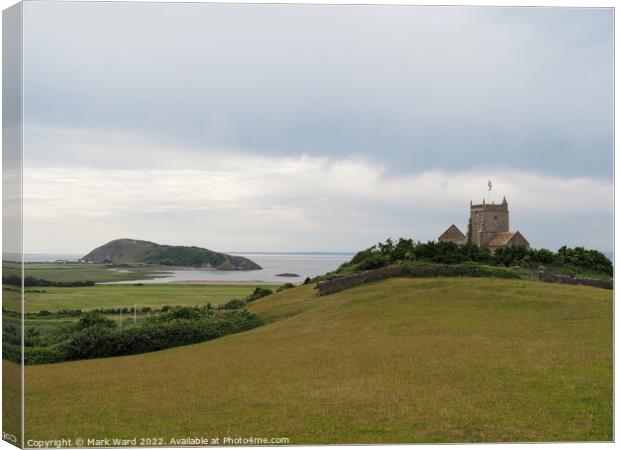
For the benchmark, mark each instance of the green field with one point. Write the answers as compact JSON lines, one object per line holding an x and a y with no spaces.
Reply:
{"x":124,"y":295}
{"x":11,"y":298}
{"x":82,"y":271}
{"x":402,"y":360}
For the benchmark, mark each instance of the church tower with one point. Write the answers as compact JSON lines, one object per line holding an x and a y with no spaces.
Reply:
{"x":488,"y":227}
{"x":486,"y":220}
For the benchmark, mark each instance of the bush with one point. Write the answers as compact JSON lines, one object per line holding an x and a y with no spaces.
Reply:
{"x":11,"y":334}
{"x":586,"y":259}
{"x":92,"y":342}
{"x":91,"y":319}
{"x":234,"y":304}
{"x":509,"y":256}
{"x":12,"y":352}
{"x":286,"y":286}
{"x":33,"y":355}
{"x":259,"y":292}
{"x":32,"y":337}
{"x":373,"y":261}
{"x":542,"y":256}
{"x":182,"y":312}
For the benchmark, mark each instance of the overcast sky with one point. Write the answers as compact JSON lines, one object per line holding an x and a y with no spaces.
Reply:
{"x":313,"y":128}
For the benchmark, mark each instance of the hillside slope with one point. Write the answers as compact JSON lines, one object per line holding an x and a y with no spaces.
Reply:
{"x":135,"y":251}
{"x":401,"y":360}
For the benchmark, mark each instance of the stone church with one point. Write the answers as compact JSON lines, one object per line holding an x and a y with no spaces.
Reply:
{"x":488,"y":227}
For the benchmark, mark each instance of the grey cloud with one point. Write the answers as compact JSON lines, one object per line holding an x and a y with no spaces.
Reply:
{"x":415,"y":88}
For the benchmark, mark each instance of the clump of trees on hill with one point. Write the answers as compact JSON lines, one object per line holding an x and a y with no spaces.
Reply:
{"x":390,"y":252}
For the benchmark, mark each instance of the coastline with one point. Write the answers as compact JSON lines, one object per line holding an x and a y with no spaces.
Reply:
{"x":229,"y":282}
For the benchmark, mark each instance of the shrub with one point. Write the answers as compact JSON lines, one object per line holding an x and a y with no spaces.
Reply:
{"x":234,"y":304}
{"x":542,"y":256}
{"x":92,"y":342}
{"x":33,"y":355}
{"x":586,"y":259}
{"x":259,"y":292}
{"x":285,"y":286}
{"x":373,"y":261}
{"x":91,"y":319}
{"x":509,"y":256}
{"x":11,"y":334}
{"x":32,"y":337}
{"x":11,"y":352}
{"x":181,"y":312}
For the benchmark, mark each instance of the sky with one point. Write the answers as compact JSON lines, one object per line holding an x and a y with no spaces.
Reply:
{"x":313,"y":127}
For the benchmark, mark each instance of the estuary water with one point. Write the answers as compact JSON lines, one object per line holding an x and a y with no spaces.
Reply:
{"x":302,"y":264}
{"x":273,"y":264}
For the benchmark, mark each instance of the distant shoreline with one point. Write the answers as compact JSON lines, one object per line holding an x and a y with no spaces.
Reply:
{"x":227,"y":282}
{"x":295,"y":253}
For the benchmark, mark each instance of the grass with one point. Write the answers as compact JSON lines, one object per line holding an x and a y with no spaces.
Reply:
{"x":123,"y":295}
{"x":11,"y":399}
{"x":11,"y":298}
{"x":401,"y":360}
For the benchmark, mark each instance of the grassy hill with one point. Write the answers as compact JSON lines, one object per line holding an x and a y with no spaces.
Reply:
{"x":401,"y":360}
{"x":131,"y":251}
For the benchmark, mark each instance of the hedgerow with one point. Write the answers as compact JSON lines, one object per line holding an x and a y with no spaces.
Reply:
{"x":95,"y":336}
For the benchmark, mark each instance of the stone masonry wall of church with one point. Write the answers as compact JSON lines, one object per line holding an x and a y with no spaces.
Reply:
{"x":484,"y":220}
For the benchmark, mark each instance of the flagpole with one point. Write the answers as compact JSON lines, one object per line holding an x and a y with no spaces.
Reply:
{"x":490,"y":188}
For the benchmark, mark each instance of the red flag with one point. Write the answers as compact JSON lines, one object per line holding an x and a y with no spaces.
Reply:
{"x":490,"y":185}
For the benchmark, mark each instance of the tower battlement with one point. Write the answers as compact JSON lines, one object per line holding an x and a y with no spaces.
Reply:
{"x":503,"y":206}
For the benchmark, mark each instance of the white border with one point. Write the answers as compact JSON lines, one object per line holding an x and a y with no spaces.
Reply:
{"x":565,"y":3}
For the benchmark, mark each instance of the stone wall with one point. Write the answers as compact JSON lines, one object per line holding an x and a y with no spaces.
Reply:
{"x":418,"y":270}
{"x":451,"y":270}
{"x":339,"y":284}
{"x":543,"y":275}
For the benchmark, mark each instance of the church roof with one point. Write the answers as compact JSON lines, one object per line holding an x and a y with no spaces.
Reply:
{"x":452,"y":233}
{"x":518,"y":239}
{"x":500,"y":239}
{"x":503,"y":239}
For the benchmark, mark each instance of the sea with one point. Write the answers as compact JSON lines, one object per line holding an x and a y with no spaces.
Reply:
{"x":301,"y":264}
